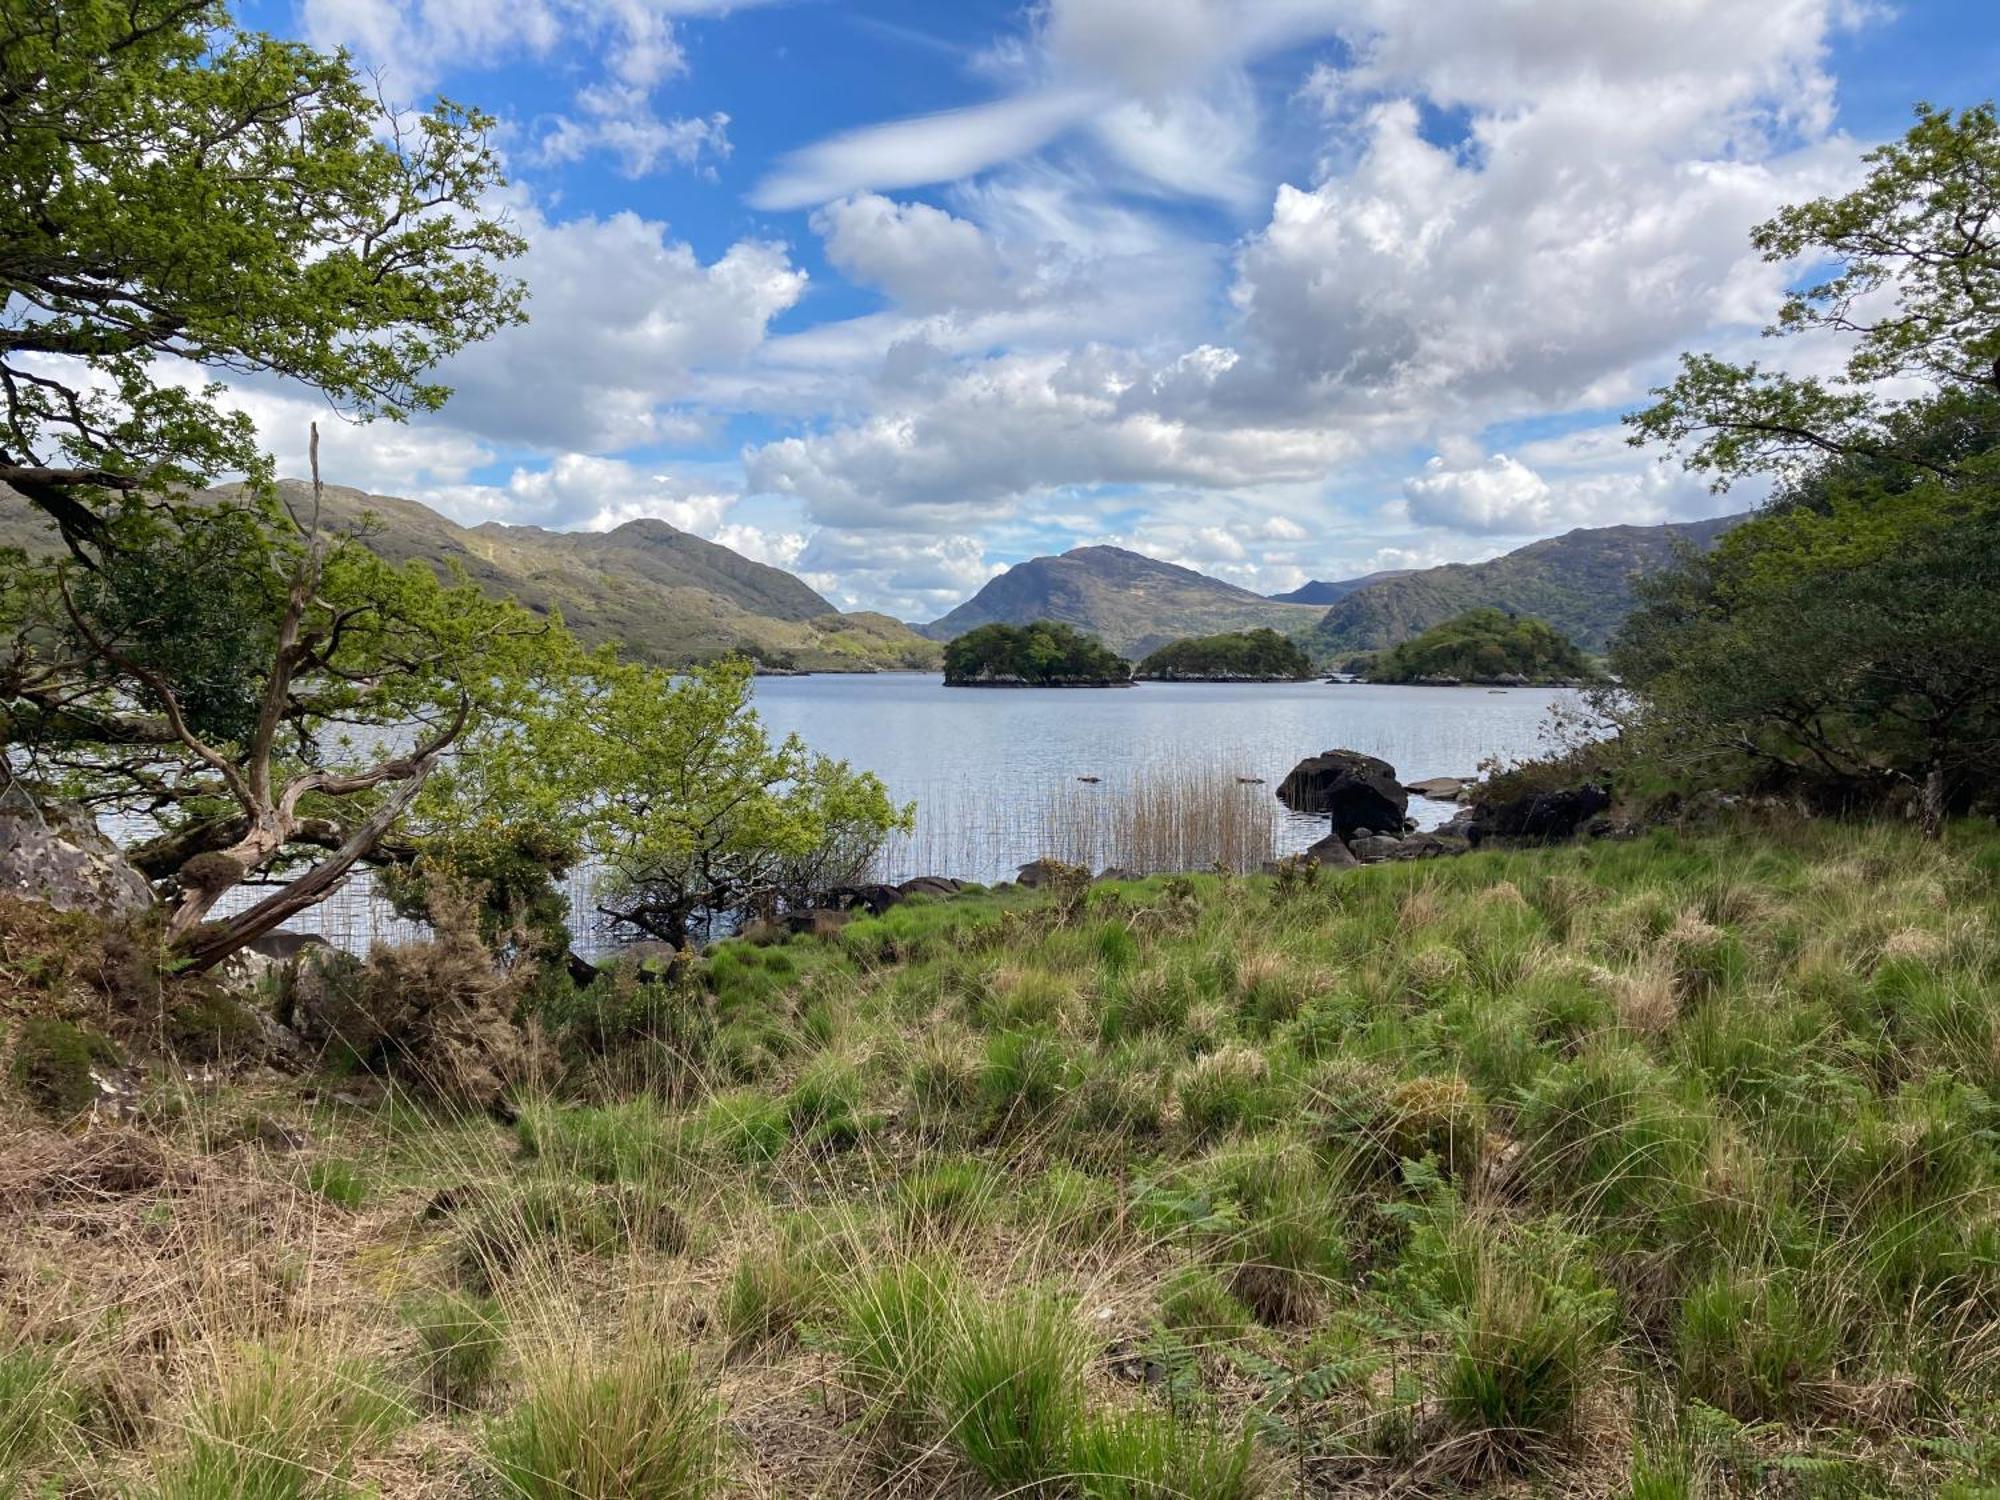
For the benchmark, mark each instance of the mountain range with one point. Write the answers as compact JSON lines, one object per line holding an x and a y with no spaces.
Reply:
{"x":667,"y":596}
{"x":1133,"y":603}
{"x":671,"y":597}
{"x":1580,"y":582}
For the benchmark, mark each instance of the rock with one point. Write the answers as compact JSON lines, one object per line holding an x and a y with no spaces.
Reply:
{"x":938,"y":887}
{"x":1332,"y":853}
{"x":284,"y":946}
{"x":872,"y":898}
{"x":1039,"y":872}
{"x":1352,"y":789}
{"x":1090,"y":780}
{"x":56,"y":855}
{"x":1118,"y":872}
{"x":819,"y":920}
{"x":1378,"y":846}
{"x":1437,"y":788}
{"x":1539,"y":817}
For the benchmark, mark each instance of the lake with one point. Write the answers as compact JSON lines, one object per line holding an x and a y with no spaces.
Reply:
{"x":994,"y":771}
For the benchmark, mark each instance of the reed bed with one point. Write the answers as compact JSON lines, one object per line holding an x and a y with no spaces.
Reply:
{"x":1164,"y":820}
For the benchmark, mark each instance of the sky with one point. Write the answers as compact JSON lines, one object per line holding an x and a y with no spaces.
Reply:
{"x":895,"y":293}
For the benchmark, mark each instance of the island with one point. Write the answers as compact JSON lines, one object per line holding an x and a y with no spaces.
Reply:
{"x":1486,"y":646}
{"x":1044,"y":654}
{"x":1259,"y":655}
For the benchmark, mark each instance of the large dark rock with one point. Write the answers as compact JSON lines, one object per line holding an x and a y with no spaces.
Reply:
{"x":1354,"y":790}
{"x":1332,"y":853}
{"x":56,"y":856}
{"x":1539,"y":817}
{"x":871,"y":898}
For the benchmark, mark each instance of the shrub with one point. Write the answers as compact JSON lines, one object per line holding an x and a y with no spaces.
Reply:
{"x":52,"y":1062}
{"x":1156,"y":1455}
{"x":460,"y":1339}
{"x":1011,"y":1394}
{"x":643,"y":1427}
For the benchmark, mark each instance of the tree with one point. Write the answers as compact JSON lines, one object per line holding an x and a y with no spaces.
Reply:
{"x":1483,"y":645}
{"x":1846,"y":639}
{"x":285,"y":747}
{"x":1915,"y":294}
{"x":175,"y":189}
{"x":1045,"y":653}
{"x":673,"y":786}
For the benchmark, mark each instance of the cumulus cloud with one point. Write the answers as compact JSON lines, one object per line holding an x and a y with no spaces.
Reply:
{"x":1498,"y":495}
{"x":606,"y":360}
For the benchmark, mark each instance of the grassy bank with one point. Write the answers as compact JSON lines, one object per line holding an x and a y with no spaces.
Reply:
{"x":1652,"y":1168}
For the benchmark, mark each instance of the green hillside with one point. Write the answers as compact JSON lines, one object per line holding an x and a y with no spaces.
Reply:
{"x":664,"y":595}
{"x":1579,"y":582}
{"x":1133,"y":603}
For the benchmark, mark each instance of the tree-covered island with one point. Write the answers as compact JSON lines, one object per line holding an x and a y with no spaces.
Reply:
{"x":1259,"y":655}
{"x":1485,"y":646}
{"x":1044,"y":654}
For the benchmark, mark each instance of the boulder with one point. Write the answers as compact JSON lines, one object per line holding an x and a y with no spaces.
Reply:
{"x":57,"y":856}
{"x":1377,"y":846}
{"x":1539,"y":817}
{"x":871,"y":898}
{"x":1332,"y":853}
{"x":937,"y":887}
{"x":1352,"y":789}
{"x":1437,"y":788}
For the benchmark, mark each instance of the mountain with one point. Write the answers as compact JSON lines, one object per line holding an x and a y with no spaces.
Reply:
{"x":1579,"y":582}
{"x":663,"y":594}
{"x":1133,"y":603}
{"x":1323,"y":592}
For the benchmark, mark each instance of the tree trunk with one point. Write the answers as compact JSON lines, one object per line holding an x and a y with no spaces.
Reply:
{"x":1931,"y":805}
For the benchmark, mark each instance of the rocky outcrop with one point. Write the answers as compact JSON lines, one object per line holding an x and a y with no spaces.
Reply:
{"x":1539,"y":817}
{"x":1355,"y":791}
{"x":57,"y":856}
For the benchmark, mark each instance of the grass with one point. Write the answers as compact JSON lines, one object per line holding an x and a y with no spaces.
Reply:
{"x":643,"y":1425}
{"x":1663,"y":1167}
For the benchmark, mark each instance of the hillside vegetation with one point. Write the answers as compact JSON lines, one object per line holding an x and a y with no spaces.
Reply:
{"x":662,"y":594}
{"x":1044,"y":654}
{"x":1484,"y":645}
{"x":1133,"y":603}
{"x":1260,"y":655}
{"x":1663,"y":1167}
{"x":1581,"y":583}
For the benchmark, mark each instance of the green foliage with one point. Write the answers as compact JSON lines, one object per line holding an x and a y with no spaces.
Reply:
{"x":674,"y":785}
{"x":1525,"y":1352}
{"x":37,"y":1409}
{"x":1155,"y":1455}
{"x":287,"y":1424}
{"x":1044,"y":654}
{"x":1484,"y":645}
{"x":338,"y":1181}
{"x":894,"y":1328}
{"x":460,"y":1339}
{"x":643,"y":1426}
{"x":51,"y":1062}
{"x":253,"y":207}
{"x":1011,"y":1394}
{"x":1751,"y":1345}
{"x":1254,"y":655}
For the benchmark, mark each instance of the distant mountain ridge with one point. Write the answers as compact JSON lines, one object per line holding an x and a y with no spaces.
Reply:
{"x":1323,"y":591}
{"x":1579,"y":582}
{"x":1133,"y":603}
{"x":663,"y":594}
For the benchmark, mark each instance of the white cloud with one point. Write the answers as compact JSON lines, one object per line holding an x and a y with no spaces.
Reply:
{"x":926,"y":259}
{"x":609,"y":358}
{"x":1499,"y":495}
{"x":620,"y":119}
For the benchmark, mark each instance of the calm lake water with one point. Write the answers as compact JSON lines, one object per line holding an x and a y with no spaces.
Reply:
{"x":994,"y":772}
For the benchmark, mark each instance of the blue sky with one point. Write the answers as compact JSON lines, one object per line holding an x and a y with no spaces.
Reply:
{"x":894,"y":294}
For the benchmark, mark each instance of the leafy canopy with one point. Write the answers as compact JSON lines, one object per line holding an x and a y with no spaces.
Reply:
{"x":1259,"y":653}
{"x":175,"y":188}
{"x":1045,"y":653}
{"x":1484,"y":645}
{"x":1844,"y":645}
